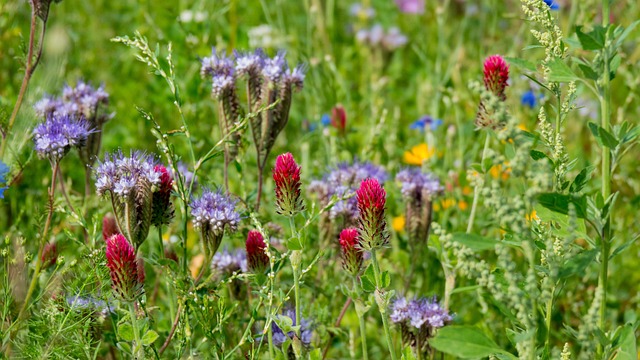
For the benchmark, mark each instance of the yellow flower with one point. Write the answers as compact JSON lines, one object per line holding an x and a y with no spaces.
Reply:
{"x":523,"y":127}
{"x":398,"y":223}
{"x":497,"y":172}
{"x":196,"y":264}
{"x":532,"y":216}
{"x":419,"y":154}
{"x":466,"y":190}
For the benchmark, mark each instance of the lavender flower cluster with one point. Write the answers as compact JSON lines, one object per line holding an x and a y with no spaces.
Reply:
{"x":343,"y":181}
{"x":81,"y":101}
{"x":422,"y":312}
{"x":377,"y":37}
{"x":214,"y":210}
{"x":228,"y":262}
{"x":119,"y":174}
{"x":58,"y":134}
{"x":416,"y":183}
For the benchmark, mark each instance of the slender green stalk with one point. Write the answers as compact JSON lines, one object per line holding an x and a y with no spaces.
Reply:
{"x":136,"y":347}
{"x":43,"y":240}
{"x":605,"y":106}
{"x":362,"y":323}
{"x":474,"y":205}
{"x":547,"y":318}
{"x":383,"y":310}
{"x":296,"y":257}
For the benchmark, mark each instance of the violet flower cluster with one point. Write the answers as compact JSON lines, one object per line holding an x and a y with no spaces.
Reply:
{"x":58,"y":134}
{"x":418,"y":190}
{"x":80,"y":102}
{"x":377,"y":37}
{"x":213,"y":213}
{"x":228,"y":262}
{"x":130,"y":182}
{"x":418,"y":320}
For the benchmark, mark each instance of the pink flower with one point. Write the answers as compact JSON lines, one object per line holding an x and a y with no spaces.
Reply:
{"x":339,"y":119}
{"x":286,"y":175}
{"x":372,"y":227}
{"x":127,"y":272}
{"x":162,"y":210}
{"x":350,"y":252}
{"x":109,"y":227}
{"x":411,"y":6}
{"x":496,"y":75}
{"x":257,"y":258}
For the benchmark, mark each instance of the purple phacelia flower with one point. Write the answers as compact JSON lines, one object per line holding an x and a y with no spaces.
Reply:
{"x":220,"y":68}
{"x":418,"y":190}
{"x":275,"y":68}
{"x":418,"y":320}
{"x":58,"y":134}
{"x":295,"y":77}
{"x":213,"y":213}
{"x":228,"y":262}
{"x":416,"y":183}
{"x":85,"y":99}
{"x":249,"y":63}
{"x":279,"y":336}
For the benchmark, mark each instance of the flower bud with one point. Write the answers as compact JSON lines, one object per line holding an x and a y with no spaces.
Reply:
{"x":109,"y":227}
{"x":257,"y":258}
{"x":49,"y":255}
{"x":127,"y":272}
{"x":286,"y":175}
{"x":351,"y":254}
{"x":372,"y":226}
{"x":161,"y":208}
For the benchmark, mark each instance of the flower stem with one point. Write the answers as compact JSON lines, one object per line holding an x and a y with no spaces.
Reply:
{"x":160,"y":244}
{"x":474,"y":205}
{"x":296,"y":257}
{"x":136,"y":335}
{"x":381,"y":307}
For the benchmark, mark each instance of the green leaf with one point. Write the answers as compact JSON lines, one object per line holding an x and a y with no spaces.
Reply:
{"x":626,"y":32}
{"x":537,"y":155}
{"x":607,"y":139}
{"x":593,"y":40}
{"x":561,"y":72}
{"x":149,"y":337}
{"x":386,"y":279}
{"x":581,"y":179}
{"x":466,"y":342}
{"x":588,"y":72}
{"x":521,"y":63}
{"x":315,"y":354}
{"x":125,"y":332}
{"x":561,"y":222}
{"x":367,"y":280}
{"x":578,"y":263}
{"x":628,"y":348}
{"x":595,"y":131}
{"x":294,"y":244}
{"x":407,"y":354}
{"x":560,"y":203}
{"x":475,"y":242}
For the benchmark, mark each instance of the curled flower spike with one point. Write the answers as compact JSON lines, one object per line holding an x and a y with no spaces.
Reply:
{"x":257,"y":258}
{"x":418,"y":320}
{"x":350,"y":252}
{"x":213,"y":213}
{"x":127,"y":272}
{"x":228,"y":262}
{"x":418,"y":189}
{"x":162,"y":209}
{"x":286,"y":175}
{"x":58,"y":134}
{"x":496,"y":75}
{"x":372,"y":225}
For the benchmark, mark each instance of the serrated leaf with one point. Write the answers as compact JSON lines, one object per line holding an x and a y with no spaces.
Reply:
{"x":125,"y":332}
{"x":149,"y":337}
{"x":466,"y":342}
{"x":561,"y":72}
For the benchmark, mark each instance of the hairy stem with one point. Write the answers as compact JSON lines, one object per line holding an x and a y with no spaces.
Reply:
{"x":383,"y":310}
{"x":474,"y":205}
{"x":136,"y":348}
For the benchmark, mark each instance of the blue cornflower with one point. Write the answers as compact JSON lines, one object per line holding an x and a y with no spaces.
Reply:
{"x":553,"y":5}
{"x":325,"y":120}
{"x":4,"y":170}
{"x":424,"y":122}
{"x":58,"y":134}
{"x":529,"y":99}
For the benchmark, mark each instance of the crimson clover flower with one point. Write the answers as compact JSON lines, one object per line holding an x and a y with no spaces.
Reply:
{"x":286,"y":176}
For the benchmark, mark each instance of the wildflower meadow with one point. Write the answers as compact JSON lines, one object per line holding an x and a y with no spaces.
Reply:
{"x":320,"y":179}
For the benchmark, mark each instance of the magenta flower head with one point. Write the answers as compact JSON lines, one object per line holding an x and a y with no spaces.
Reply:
{"x":496,"y":75}
{"x":213,"y":213}
{"x":49,"y":255}
{"x":350,"y":252}
{"x":372,"y":226}
{"x":257,"y":258}
{"x":162,"y":209}
{"x":109,"y":227}
{"x":339,"y":119}
{"x":286,"y":175}
{"x":127,"y":273}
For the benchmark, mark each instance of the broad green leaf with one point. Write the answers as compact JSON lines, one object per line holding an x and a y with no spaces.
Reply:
{"x":149,"y":337}
{"x":386,"y":279}
{"x":294,"y":244}
{"x":607,"y":139}
{"x":407,"y":354}
{"x":465,"y":342}
{"x":125,"y":332}
{"x":561,"y":72}
{"x":561,"y":221}
{"x":578,"y":263}
{"x":595,"y":131}
{"x":537,"y":155}
{"x":474,"y":242}
{"x":521,"y":63}
{"x":593,"y":40}
{"x":560,"y":203}
{"x":581,"y":179}
{"x":628,"y":348}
